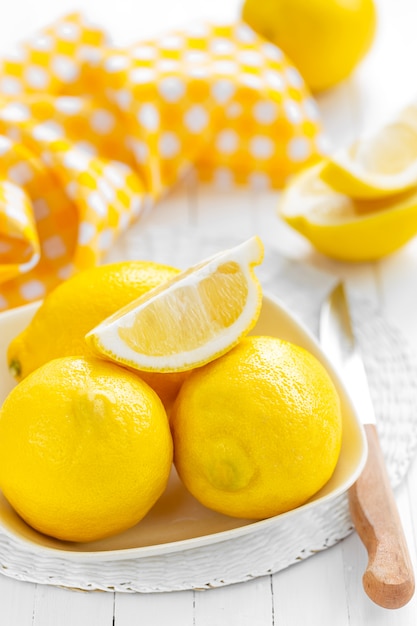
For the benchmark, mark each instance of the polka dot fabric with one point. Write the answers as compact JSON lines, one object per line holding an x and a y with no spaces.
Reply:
{"x":91,"y":134}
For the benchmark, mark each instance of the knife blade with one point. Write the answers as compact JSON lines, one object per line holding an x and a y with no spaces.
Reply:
{"x":388,"y":579}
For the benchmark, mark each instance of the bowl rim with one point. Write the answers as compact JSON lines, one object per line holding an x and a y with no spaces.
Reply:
{"x":254,"y":527}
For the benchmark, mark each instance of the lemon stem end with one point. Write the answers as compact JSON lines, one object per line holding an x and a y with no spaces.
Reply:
{"x":15,"y":369}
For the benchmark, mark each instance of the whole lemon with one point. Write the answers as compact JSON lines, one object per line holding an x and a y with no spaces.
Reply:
{"x":85,"y":449}
{"x":76,"y":306}
{"x":325,"y":39}
{"x":258,"y":431}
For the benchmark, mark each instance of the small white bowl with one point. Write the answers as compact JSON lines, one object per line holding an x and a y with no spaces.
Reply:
{"x":181,"y":544}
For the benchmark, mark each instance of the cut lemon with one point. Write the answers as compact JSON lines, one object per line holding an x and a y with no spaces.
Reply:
{"x":342,"y":227}
{"x":380,"y":165}
{"x":191,"y":319}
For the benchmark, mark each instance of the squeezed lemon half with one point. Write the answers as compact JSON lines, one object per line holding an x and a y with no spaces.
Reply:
{"x":382,"y":164}
{"x":343,"y":227}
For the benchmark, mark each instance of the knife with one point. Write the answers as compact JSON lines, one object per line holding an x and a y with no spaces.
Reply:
{"x":388,"y":579}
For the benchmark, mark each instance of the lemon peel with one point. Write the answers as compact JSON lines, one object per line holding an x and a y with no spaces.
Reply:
{"x":382,"y":164}
{"x":85,"y":449}
{"x":325,"y":39}
{"x":257,"y":431}
{"x":76,"y":306}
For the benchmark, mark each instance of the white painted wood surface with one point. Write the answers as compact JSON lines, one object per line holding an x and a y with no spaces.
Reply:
{"x":326,"y":589}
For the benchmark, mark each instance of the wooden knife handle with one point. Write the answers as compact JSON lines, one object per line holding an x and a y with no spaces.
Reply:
{"x":388,"y":579}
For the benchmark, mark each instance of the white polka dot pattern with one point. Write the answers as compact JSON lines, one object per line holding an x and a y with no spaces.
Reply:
{"x":89,"y":134}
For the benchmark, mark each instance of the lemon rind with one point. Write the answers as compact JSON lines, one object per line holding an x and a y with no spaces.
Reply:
{"x":348,"y":178}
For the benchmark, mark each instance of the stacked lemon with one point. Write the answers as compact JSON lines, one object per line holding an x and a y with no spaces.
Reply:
{"x":86,"y":444}
{"x":361,"y":203}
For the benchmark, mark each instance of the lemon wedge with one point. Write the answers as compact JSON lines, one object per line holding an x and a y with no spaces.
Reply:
{"x":189,"y":320}
{"x":344,"y":228}
{"x":382,"y":164}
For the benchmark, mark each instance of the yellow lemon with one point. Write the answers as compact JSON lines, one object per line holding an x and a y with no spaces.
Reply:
{"x":258,"y":431}
{"x":325,"y":39}
{"x":345,"y":228}
{"x":191,"y":319}
{"x":78,"y":305}
{"x":85,"y":449}
{"x":382,"y":164}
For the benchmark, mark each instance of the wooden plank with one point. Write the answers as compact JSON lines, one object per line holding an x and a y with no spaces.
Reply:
{"x":246,"y":604}
{"x":275,"y":233}
{"x":224,"y":213}
{"x":312,"y":592}
{"x":155,"y":233}
{"x":66,"y":607}
{"x":157,"y":609}
{"x":175,"y":206}
{"x":379,"y":99}
{"x":340,"y":116}
{"x":397,"y":280}
{"x":17,"y":602}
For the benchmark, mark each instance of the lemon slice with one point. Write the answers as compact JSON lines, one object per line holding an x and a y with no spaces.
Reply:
{"x":191,"y":319}
{"x":342,"y":227}
{"x":380,"y":165}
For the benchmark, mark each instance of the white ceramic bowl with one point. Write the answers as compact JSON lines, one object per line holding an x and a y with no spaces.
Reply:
{"x":181,"y":544}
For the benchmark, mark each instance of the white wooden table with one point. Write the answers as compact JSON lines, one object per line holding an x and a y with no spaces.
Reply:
{"x":325,"y":589}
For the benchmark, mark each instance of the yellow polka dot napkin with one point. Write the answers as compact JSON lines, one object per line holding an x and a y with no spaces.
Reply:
{"x":90,"y":134}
